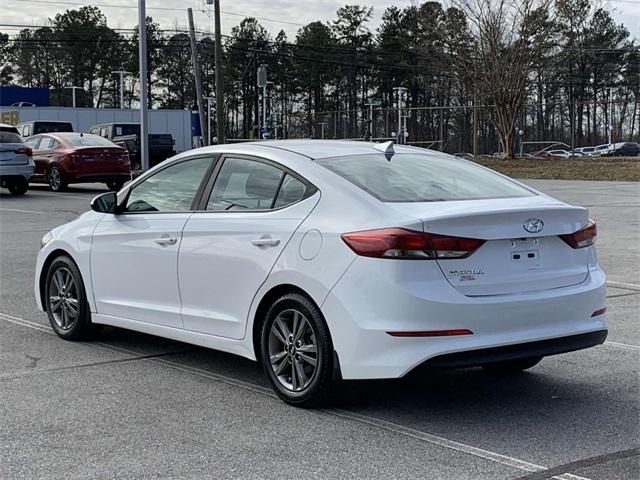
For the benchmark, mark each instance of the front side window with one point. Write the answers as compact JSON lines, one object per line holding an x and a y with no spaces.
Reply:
{"x":245,"y":184}
{"x":409,"y":177}
{"x":172,"y":189}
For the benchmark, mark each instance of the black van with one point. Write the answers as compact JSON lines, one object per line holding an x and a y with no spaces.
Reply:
{"x":35,"y":127}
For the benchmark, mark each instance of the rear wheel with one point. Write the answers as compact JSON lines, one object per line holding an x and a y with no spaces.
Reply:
{"x":66,"y":301}
{"x":296,"y":351}
{"x":18,"y":186}
{"x":56,"y":180}
{"x":512,"y":366}
{"x":115,"y":185}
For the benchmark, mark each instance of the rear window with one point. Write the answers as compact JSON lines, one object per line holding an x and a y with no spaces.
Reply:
{"x":88,"y":140}
{"x":51,"y":127}
{"x":422,"y":178}
{"x":10,"y":137}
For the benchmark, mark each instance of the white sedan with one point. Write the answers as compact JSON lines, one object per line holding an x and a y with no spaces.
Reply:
{"x":329,"y":260}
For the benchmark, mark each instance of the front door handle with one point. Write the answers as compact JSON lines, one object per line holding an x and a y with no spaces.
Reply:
{"x":265,"y":241}
{"x":165,"y":241}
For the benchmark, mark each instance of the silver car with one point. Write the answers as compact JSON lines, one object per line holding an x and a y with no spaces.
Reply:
{"x":16,"y":161}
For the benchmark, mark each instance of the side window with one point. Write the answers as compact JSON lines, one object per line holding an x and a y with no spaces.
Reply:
{"x":245,"y":184}
{"x":104,"y":132}
{"x":291,"y":191}
{"x":171,"y":189}
{"x":33,"y":142}
{"x":26,"y":131}
{"x":46,"y":143}
{"x":94,"y":131}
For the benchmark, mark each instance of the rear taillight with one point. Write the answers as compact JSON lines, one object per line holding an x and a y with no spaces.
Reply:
{"x":582,"y":238}
{"x":25,"y":151}
{"x":400,"y":243}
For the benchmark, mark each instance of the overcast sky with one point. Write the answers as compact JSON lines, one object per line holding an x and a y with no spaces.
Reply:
{"x":286,"y":14}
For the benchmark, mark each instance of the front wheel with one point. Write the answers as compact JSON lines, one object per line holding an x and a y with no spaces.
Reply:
{"x":296,"y":351}
{"x":66,"y":301}
{"x":115,"y":185}
{"x":512,"y":366}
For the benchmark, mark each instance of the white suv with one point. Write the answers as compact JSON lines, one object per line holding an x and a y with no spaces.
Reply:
{"x":16,"y":161}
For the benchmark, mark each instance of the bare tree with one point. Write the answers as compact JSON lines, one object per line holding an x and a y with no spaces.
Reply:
{"x":512,"y":40}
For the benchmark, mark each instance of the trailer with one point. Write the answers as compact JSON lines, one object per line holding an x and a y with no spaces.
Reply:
{"x":175,"y":122}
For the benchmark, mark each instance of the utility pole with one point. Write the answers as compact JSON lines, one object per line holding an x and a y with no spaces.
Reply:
{"x":122,"y":73}
{"x":262,"y":83}
{"x":142,"y":53}
{"x":196,"y":75}
{"x":322,"y":125}
{"x":73,"y":90}
{"x":400,"y":135}
{"x":218,"y":72}
{"x":475,"y":107}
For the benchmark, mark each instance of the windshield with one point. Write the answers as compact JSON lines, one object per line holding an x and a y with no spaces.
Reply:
{"x":52,"y":127}
{"x":409,"y":177}
{"x":88,"y":140}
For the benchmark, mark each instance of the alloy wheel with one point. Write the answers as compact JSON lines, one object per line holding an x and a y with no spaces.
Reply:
{"x":293,"y":350}
{"x":54,"y":179}
{"x":63,"y":299}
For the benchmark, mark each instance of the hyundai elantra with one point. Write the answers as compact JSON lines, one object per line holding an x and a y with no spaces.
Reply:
{"x":330,"y":260}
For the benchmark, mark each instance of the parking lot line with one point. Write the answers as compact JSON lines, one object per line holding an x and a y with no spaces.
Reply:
{"x":371,"y":421}
{"x":628,"y":286}
{"x":16,"y":210}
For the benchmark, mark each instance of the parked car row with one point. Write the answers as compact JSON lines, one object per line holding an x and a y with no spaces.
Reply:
{"x":58,"y":157}
{"x":621,"y":149}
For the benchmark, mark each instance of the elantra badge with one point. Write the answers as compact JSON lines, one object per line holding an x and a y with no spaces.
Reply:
{"x":533,"y":225}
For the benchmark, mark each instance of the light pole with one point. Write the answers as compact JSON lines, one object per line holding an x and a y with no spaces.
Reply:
{"x":369,"y":134}
{"x":262,"y":83}
{"x":322,"y":125}
{"x":209,"y":100}
{"x":610,"y":122}
{"x":400,"y":135}
{"x":142,"y":53}
{"x":122,"y":73}
{"x":73,"y":90}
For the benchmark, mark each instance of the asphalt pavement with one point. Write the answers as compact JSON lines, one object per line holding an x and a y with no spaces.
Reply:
{"x":129,"y":405}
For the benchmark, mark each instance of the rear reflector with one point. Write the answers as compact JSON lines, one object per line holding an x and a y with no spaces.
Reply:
{"x":25,"y":150}
{"x":403,"y":244}
{"x":597,"y":313}
{"x":432,"y":333}
{"x":582,"y":238}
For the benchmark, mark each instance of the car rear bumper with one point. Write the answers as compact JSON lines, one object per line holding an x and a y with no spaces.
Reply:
{"x":24,"y":170}
{"x":363,"y":307}
{"x":540,"y":348}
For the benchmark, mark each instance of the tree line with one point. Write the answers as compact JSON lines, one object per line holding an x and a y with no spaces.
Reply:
{"x":480,"y":75}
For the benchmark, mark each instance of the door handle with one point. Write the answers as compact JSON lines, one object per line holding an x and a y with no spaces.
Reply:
{"x":265,"y":241}
{"x":165,"y":241}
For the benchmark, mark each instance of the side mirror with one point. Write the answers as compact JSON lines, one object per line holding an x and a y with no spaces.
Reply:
{"x":105,"y":203}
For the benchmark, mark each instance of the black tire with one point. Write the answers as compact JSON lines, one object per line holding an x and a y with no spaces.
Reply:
{"x":81,"y":327}
{"x":512,"y":366}
{"x":316,"y":332}
{"x":18,"y":186}
{"x":115,"y":185}
{"x":56,"y":180}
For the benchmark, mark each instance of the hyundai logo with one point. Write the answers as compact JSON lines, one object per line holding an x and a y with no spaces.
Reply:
{"x":533,"y":225}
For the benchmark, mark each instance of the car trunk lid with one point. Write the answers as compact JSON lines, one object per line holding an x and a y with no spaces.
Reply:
{"x":512,"y":258}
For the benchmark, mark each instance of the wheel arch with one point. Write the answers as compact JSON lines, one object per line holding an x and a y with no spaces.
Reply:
{"x":267,"y":299}
{"x":51,"y":257}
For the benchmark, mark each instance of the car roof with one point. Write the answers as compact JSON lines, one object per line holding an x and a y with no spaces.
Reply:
{"x":7,"y":125}
{"x":316,"y":149}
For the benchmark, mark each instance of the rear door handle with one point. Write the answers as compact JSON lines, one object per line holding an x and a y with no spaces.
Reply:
{"x":165,"y":241}
{"x":265,"y":241}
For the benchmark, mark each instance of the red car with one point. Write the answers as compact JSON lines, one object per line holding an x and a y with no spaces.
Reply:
{"x":70,"y":157}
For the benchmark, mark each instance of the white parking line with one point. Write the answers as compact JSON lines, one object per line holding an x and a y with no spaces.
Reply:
{"x":19,"y":211}
{"x":628,"y":286}
{"x":364,"y":419}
